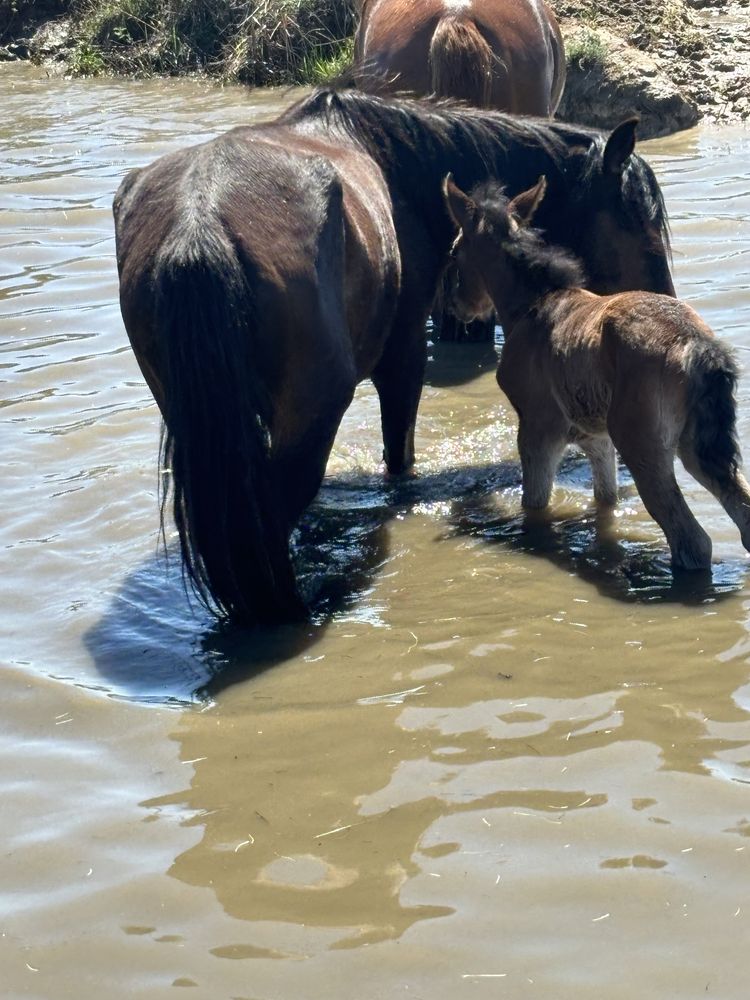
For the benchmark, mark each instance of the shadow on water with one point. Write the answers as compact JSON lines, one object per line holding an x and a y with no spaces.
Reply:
{"x":589,"y":545}
{"x":155,"y":643}
{"x":454,"y":364}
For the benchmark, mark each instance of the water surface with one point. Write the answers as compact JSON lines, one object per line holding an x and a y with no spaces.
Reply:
{"x":506,"y":760}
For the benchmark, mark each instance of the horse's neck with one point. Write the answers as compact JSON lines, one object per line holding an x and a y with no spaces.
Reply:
{"x":515,"y":300}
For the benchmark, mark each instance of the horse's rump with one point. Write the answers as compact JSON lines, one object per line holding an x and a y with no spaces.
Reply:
{"x":221,"y":289}
{"x":461,"y":61}
{"x":505,"y":54}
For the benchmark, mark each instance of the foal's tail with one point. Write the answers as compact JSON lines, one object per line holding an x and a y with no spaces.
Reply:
{"x":712,"y":425}
{"x":461,"y":62}
{"x":215,"y":443}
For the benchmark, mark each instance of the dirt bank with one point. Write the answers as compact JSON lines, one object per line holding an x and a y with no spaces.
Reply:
{"x":673,"y":62}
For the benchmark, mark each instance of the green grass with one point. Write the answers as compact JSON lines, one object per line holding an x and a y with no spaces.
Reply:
{"x":86,"y":61}
{"x":327,"y":62}
{"x":586,"y":50}
{"x":252,"y":41}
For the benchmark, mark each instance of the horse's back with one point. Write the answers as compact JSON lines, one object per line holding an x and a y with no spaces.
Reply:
{"x":650,"y":325}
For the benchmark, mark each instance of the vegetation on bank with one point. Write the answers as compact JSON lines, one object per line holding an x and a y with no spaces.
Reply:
{"x":249,"y":41}
{"x":644,"y":24}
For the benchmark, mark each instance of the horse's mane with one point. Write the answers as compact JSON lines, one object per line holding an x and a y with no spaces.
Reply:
{"x":411,"y":140}
{"x":387,"y":125}
{"x":549,"y":267}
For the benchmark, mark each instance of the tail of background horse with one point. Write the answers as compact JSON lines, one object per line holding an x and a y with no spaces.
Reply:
{"x":215,"y":444}
{"x":461,"y":62}
{"x":712,"y":378}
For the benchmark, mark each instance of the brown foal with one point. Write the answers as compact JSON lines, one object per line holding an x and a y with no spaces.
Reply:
{"x":634,"y":371}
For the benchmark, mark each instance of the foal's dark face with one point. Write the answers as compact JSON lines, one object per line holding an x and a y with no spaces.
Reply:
{"x":465,"y":290}
{"x":481,"y":273}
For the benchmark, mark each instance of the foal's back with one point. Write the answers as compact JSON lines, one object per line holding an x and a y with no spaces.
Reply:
{"x":591,"y":346}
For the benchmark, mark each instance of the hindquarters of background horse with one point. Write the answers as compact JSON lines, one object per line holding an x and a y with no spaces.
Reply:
{"x":227,"y":264}
{"x":505,"y":54}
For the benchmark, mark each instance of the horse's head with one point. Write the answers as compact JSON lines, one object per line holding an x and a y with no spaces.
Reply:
{"x":608,"y":209}
{"x":465,"y":291}
{"x":496,"y":258}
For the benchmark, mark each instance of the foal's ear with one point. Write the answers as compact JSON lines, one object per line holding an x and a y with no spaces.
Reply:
{"x":523,"y":207}
{"x":460,"y":207}
{"x":620,"y":145}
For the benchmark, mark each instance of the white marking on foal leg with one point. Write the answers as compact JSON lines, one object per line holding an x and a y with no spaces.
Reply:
{"x":456,"y":6}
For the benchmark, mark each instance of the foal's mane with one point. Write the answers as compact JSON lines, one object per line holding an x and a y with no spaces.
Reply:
{"x":417,"y":142}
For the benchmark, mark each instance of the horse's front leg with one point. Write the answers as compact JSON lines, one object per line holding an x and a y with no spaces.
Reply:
{"x":541,"y":443}
{"x":398,"y":379}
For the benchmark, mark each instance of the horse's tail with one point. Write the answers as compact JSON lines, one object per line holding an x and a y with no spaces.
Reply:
{"x":712,"y":373}
{"x":215,"y":442}
{"x":461,"y":61}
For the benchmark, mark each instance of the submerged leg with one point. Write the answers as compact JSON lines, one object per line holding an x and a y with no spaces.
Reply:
{"x":645,"y":421}
{"x":398,"y":379}
{"x":652,"y":468}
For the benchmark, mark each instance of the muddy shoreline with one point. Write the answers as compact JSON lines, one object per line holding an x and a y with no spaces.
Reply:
{"x":675,"y":63}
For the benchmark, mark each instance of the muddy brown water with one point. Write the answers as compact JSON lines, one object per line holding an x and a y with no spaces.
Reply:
{"x":505,"y":761}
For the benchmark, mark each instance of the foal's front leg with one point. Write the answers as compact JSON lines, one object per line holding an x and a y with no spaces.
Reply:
{"x":541,"y":443}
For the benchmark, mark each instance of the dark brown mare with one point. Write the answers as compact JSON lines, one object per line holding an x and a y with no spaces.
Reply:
{"x":263,"y":274}
{"x":505,"y":54}
{"x":634,"y":371}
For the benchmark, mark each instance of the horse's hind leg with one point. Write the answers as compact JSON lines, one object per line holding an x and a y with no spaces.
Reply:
{"x":299,"y":460}
{"x":601,"y":454}
{"x":652,"y":467}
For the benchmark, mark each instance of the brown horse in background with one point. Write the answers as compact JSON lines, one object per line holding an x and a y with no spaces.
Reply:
{"x":505,"y":54}
{"x":634,"y":371}
{"x":265,"y":273}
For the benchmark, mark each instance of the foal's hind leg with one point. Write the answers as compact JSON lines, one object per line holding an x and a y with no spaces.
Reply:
{"x":652,"y":467}
{"x":601,"y":454}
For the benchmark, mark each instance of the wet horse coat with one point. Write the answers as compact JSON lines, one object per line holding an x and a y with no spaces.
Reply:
{"x":266,"y":272}
{"x":505,"y":54}
{"x":634,"y":371}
